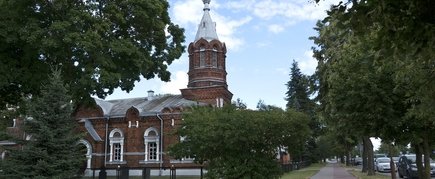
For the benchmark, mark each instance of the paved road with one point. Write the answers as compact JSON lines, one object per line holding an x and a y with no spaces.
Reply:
{"x":333,"y":171}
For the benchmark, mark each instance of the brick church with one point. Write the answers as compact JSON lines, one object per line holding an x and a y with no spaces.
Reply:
{"x":137,"y":132}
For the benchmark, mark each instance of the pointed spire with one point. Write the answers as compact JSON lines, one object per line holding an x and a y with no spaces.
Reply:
{"x":206,"y":28}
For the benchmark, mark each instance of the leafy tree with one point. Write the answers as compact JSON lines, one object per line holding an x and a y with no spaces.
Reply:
{"x":401,"y":47}
{"x":52,"y":150}
{"x":99,"y":45}
{"x":392,"y":150}
{"x":239,"y":104}
{"x":238,"y":143}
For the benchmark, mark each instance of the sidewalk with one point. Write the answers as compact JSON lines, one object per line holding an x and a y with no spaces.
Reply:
{"x":333,"y":171}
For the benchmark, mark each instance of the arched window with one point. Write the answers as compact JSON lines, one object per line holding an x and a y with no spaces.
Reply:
{"x":214,"y":58}
{"x":152,"y":145}
{"x":202,"y":56}
{"x":88,"y":152}
{"x":116,"y":139}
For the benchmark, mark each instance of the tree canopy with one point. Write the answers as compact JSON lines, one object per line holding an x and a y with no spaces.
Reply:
{"x":236,"y":143}
{"x":99,"y":45}
{"x":376,"y":68}
{"x":51,"y":148}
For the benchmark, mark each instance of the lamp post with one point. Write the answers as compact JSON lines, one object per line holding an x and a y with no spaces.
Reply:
{"x":117,"y":172}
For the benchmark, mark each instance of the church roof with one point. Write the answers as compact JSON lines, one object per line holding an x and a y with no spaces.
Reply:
{"x":206,"y":28}
{"x":146,"y":106}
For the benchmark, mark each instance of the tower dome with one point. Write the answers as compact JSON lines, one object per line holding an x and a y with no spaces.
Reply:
{"x":207,"y":69}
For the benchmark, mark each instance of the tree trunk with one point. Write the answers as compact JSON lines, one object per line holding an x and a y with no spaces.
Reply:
{"x":370,"y":157}
{"x":427,"y":152}
{"x":347,"y":158}
{"x":348,"y":154}
{"x":418,"y":159}
{"x":364,"y":157}
{"x":392,"y":164}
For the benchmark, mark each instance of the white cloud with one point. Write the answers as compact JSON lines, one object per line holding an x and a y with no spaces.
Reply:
{"x":293,"y":10}
{"x":308,"y":64}
{"x":188,"y":14}
{"x":275,"y":28}
{"x":286,"y":12}
{"x":226,"y":29}
{"x":179,"y":81}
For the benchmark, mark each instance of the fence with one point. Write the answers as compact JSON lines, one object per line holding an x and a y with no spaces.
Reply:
{"x":294,"y":166}
{"x":143,"y":173}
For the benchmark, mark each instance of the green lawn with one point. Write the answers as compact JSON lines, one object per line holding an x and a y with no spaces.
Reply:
{"x":304,"y":173}
{"x":361,"y":175}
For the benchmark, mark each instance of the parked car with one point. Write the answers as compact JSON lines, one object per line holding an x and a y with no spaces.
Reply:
{"x":396,"y":161}
{"x":407,"y":166}
{"x":357,"y":161}
{"x":379,"y":155}
{"x":382,"y":164}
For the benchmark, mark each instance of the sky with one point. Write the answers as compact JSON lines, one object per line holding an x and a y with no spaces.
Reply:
{"x":262,"y":37}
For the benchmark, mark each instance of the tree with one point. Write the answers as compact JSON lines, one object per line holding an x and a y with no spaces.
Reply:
{"x":52,"y":150}
{"x":99,"y":45}
{"x":236,"y":143}
{"x":400,"y":46}
{"x":239,"y":104}
{"x":298,"y":98}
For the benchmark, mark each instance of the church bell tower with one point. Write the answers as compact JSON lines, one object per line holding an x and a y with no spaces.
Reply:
{"x":207,"y":73}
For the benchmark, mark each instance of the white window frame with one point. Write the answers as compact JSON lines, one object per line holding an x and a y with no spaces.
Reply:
{"x":88,"y":152}
{"x":116,"y":140}
{"x":151,"y":139}
{"x":186,"y":159}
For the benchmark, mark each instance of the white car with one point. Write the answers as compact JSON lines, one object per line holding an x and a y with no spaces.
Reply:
{"x":383,"y":164}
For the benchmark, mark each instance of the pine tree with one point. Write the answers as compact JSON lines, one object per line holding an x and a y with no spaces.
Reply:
{"x":52,"y":149}
{"x":298,"y":91}
{"x":298,"y":98}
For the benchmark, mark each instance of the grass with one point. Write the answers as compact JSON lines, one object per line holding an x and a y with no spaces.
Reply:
{"x":361,"y":175}
{"x":304,"y":173}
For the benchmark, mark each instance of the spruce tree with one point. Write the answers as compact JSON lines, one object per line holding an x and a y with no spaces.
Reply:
{"x":298,"y":98}
{"x":298,"y":91}
{"x":51,"y":148}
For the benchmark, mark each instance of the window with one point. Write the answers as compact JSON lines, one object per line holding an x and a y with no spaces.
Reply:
{"x":152,"y":145}
{"x":202,"y":57}
{"x":187,"y":159}
{"x":117,"y":152}
{"x":116,"y":138}
{"x":214,"y":57}
{"x":152,"y":148}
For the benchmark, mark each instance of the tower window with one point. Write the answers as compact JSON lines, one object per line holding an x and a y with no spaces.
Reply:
{"x":214,"y":58}
{"x":202,"y":57}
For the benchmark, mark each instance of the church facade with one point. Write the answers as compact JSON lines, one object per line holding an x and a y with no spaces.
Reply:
{"x":136,"y":132}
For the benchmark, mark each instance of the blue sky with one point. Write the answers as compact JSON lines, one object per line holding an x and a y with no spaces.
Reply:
{"x":263,"y":37}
